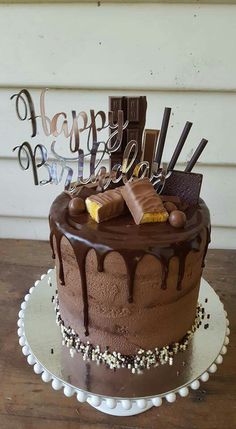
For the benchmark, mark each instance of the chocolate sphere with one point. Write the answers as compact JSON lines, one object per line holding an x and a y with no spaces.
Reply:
{"x":76,"y":206}
{"x":177,"y":219}
{"x":170,"y":207}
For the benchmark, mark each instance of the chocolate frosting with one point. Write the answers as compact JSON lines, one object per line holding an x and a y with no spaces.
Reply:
{"x":131,"y":241}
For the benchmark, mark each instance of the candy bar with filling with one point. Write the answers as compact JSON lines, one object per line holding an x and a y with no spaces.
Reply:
{"x":106,"y":205}
{"x":143,"y":202}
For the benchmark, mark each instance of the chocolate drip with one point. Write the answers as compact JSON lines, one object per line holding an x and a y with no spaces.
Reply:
{"x":100,"y":261}
{"x":131,"y":261}
{"x":208,"y":240}
{"x":165,"y":270}
{"x":182,"y":253}
{"x":164,"y":256}
{"x":80,"y":254}
{"x":181,"y":258}
{"x":51,"y":244}
{"x":84,"y":237}
{"x":55,"y":232}
{"x":61,"y":270}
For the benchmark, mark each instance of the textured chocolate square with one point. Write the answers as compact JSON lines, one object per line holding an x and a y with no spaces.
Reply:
{"x":185,"y":185}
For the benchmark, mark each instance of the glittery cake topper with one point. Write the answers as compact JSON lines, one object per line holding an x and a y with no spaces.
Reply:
{"x":133,"y":160}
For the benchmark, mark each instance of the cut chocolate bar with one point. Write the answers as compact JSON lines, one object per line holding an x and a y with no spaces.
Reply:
{"x":106,"y":205}
{"x":143,"y":202}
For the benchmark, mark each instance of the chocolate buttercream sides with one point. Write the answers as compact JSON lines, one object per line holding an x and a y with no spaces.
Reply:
{"x":132,"y":242}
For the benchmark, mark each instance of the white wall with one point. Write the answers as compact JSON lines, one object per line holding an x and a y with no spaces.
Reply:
{"x":179,"y":55}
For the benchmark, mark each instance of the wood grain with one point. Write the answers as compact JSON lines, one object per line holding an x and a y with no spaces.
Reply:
{"x":28,"y":403}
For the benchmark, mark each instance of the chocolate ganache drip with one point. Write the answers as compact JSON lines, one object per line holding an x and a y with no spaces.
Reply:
{"x":131,"y":241}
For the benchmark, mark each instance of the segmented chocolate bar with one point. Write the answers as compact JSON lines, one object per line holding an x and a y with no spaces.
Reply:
{"x":134,"y":109}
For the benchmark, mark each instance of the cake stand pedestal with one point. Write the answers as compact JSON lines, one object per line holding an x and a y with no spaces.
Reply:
{"x":119,"y":393}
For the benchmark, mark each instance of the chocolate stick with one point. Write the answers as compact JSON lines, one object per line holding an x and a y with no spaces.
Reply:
{"x":179,"y":146}
{"x":162,"y":138}
{"x":196,"y":155}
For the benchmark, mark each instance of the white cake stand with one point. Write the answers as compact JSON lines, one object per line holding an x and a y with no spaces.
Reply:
{"x":119,"y":393}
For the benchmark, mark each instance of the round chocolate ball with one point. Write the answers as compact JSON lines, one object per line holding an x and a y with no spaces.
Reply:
{"x":177,"y":219}
{"x":76,"y":206}
{"x":170,"y":207}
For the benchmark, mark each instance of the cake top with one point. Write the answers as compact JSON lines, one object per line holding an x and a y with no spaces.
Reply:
{"x":132,"y":241}
{"x":122,"y":233}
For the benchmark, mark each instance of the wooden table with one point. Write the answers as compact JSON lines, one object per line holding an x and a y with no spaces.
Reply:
{"x":26,"y":402}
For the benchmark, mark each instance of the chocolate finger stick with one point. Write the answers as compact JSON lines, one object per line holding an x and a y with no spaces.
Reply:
{"x":162,"y":137}
{"x":143,"y":202}
{"x":196,"y":155}
{"x":106,"y":205}
{"x":179,"y":146}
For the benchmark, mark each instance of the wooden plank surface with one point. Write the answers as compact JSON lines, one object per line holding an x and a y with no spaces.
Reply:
{"x":28,"y":403}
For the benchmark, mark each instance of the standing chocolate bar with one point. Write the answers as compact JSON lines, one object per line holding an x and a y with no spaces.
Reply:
{"x":149,"y":147}
{"x":134,"y":109}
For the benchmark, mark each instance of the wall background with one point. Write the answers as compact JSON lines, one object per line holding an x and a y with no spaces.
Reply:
{"x":178,"y":55}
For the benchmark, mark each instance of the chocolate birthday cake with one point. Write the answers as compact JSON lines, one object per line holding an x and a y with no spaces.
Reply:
{"x":130,"y":250}
{"x":128,"y":290}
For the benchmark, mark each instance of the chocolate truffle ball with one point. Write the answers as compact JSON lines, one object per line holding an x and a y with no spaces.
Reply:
{"x":170,"y":207}
{"x":177,"y":219}
{"x":76,"y":206}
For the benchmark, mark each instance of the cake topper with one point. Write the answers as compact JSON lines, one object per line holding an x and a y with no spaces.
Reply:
{"x":83,"y":139}
{"x":92,"y":124}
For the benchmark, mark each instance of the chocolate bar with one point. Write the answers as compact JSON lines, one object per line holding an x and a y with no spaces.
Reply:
{"x":134,"y":109}
{"x":106,"y":205}
{"x":143,"y":202}
{"x":149,"y":147}
{"x":136,"y":115}
{"x":115,"y":104}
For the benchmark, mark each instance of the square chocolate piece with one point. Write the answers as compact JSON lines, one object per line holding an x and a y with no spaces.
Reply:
{"x":185,"y":185}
